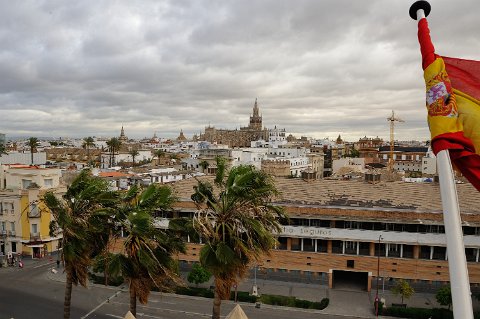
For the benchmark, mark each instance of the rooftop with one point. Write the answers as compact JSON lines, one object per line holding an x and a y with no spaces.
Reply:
{"x":357,"y":194}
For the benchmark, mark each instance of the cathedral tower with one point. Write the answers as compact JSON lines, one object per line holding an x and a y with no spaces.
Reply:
{"x":255,"y":119}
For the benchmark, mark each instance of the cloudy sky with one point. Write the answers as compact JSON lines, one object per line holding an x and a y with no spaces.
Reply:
{"x":318,"y":68}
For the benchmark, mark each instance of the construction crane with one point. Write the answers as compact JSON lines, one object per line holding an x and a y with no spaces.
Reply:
{"x":392,"y":120}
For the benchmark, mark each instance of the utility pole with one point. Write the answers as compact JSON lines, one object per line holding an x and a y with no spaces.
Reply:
{"x":377,"y":300}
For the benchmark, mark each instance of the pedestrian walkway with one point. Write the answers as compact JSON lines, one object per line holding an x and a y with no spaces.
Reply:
{"x":346,"y":302}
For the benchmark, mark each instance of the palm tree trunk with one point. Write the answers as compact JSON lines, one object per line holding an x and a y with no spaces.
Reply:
{"x":217,"y":302}
{"x":31,"y":154}
{"x":133,"y":301}
{"x":68,"y":293}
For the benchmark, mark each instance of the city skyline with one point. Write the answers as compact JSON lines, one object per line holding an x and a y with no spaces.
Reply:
{"x":318,"y":69}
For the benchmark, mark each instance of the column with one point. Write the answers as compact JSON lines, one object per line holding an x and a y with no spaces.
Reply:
{"x":372,"y":249}
{"x":343,"y":247}
{"x":330,"y":278}
{"x":416,"y":252}
{"x":431,"y":252}
{"x":476,"y":255}
{"x":329,"y":247}
{"x":387,"y":246}
{"x":316,"y":244}
{"x":401,"y":250}
{"x":358,"y":248}
{"x":289,"y":243}
{"x":301,"y":244}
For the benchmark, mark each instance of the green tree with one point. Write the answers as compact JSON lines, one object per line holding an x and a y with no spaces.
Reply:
{"x":134,"y":153}
{"x":88,"y":142}
{"x":113,"y":147}
{"x":3,"y":149}
{"x":444,"y":296}
{"x":236,"y":222}
{"x":198,"y":274}
{"x":146,"y":259}
{"x":204,"y":165}
{"x":159,"y":154}
{"x":402,"y":288}
{"x":78,"y":219}
{"x":33,"y":143}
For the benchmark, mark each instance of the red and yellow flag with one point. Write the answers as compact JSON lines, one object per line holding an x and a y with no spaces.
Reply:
{"x":453,"y":103}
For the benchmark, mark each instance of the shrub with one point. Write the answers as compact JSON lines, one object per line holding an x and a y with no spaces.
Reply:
{"x":243,"y":296}
{"x":418,"y":313}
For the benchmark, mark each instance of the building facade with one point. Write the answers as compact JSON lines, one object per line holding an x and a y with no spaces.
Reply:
{"x":338,"y":227}
{"x":238,"y":138}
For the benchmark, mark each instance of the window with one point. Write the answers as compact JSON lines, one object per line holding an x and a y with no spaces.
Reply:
{"x":4,"y":227}
{"x":48,"y":182}
{"x":12,"y":226}
{"x":34,"y":228}
{"x":34,"y":211}
{"x":26,"y":183}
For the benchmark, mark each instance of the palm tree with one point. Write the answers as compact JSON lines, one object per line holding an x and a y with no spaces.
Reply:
{"x":113,"y":147}
{"x":87,"y":143}
{"x":204,"y":165}
{"x":33,"y":143}
{"x":159,"y":154}
{"x":146,"y":260}
{"x":237,"y":225}
{"x":133,"y":153}
{"x":83,"y":234}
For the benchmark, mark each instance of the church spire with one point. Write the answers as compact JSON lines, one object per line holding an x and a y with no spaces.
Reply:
{"x":255,"y":108}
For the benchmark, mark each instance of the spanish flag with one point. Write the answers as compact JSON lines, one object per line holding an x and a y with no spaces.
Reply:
{"x":453,"y":104}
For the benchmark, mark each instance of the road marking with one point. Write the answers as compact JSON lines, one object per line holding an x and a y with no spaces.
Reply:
{"x":43,"y":265}
{"x":114,"y":316}
{"x":104,"y":302}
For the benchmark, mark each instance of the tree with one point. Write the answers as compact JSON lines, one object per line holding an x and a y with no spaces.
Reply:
{"x":236,"y":222}
{"x":87,"y":143}
{"x":198,"y":274}
{"x":204,"y":165}
{"x":134,"y":153}
{"x":76,"y":219}
{"x":113,"y":147}
{"x":402,"y":288}
{"x":3,"y":149}
{"x":444,"y":296}
{"x":146,"y":259}
{"x":159,"y":154}
{"x":33,"y":144}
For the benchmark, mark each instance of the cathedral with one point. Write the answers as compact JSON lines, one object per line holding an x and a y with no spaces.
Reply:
{"x":238,"y":138}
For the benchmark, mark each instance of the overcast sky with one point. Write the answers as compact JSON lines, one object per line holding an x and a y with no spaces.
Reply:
{"x":319,"y":68}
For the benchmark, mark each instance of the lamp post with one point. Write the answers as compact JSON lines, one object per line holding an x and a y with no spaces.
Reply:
{"x":378,"y":276}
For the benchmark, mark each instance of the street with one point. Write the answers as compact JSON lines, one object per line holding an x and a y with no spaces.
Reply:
{"x":30,"y":293}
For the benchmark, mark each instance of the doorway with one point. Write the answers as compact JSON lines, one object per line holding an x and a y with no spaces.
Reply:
{"x":350,"y":280}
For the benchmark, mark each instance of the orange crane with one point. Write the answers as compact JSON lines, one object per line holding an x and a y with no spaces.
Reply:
{"x":392,"y":120}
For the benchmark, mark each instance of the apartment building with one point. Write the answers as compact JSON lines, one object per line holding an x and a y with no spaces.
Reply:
{"x":24,"y":221}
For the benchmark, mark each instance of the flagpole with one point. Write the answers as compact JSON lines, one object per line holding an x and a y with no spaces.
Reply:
{"x":457,"y":262}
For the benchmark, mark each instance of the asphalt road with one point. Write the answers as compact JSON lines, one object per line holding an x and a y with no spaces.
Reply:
{"x":29,"y":293}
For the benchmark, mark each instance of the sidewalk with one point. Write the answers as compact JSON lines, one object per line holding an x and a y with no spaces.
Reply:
{"x":352,"y":303}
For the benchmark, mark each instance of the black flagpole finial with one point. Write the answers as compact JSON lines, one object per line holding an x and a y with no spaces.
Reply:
{"x":421,"y":4}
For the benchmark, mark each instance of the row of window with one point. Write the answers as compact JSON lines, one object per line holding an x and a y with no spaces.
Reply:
{"x":363,"y":249}
{"x":410,"y":228}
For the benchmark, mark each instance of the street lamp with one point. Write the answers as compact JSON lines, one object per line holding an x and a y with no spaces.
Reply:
{"x":378,"y":276}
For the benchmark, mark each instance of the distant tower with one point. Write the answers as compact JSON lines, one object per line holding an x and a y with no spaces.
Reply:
{"x":181,"y":137}
{"x":339,"y":140}
{"x":122,"y":137}
{"x":255,"y":119}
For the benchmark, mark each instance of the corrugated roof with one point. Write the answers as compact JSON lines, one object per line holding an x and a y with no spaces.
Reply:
{"x":424,"y":197}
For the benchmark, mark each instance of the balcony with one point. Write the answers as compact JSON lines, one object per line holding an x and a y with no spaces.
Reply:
{"x":12,"y":233}
{"x":35,"y":237}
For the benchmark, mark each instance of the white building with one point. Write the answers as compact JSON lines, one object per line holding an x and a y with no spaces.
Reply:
{"x":353,"y":164}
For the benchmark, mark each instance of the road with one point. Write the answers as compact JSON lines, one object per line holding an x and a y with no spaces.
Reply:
{"x":30,"y":293}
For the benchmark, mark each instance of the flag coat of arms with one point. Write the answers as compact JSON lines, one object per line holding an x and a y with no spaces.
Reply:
{"x":453,"y":104}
